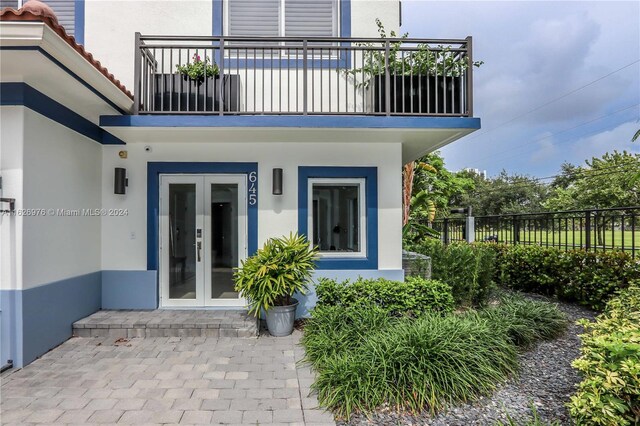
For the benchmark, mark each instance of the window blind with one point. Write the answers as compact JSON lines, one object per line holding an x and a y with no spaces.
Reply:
{"x":294,"y":18}
{"x":9,"y":3}
{"x":304,"y":18}
{"x":255,"y":18}
{"x":66,"y":12}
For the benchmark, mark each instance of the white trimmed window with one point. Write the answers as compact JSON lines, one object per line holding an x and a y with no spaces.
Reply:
{"x":337,"y":216}
{"x":277,"y":18}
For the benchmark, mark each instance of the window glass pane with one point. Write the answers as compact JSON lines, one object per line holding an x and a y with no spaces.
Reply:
{"x":336,"y":217}
{"x":304,"y":18}
{"x":257,"y":18}
{"x":224,"y":239}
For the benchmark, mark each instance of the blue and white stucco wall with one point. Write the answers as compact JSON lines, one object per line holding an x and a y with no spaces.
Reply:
{"x":127,"y":273}
{"x":50,"y":262}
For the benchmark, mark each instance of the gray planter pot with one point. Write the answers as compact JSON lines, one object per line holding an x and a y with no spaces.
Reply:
{"x":280,"y":319}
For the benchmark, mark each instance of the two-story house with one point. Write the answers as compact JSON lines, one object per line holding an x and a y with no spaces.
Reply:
{"x":223,"y":123}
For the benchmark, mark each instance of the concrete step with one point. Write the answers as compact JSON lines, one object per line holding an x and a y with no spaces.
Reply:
{"x":167,"y":323}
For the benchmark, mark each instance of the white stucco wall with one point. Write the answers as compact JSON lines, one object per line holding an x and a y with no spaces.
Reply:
{"x":110,"y":25}
{"x":62,"y":170}
{"x":11,"y":170}
{"x":124,"y":242}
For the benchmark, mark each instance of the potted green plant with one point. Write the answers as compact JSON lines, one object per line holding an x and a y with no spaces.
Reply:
{"x":195,"y":87}
{"x":424,"y":79}
{"x":272,"y":276}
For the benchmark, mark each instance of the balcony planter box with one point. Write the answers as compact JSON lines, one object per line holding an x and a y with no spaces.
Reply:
{"x":417,"y":94}
{"x":174,"y":92}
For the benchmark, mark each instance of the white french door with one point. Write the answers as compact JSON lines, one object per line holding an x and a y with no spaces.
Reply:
{"x":203,"y":236}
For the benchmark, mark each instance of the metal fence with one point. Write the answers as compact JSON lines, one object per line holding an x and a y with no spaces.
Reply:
{"x":593,"y":229}
{"x":288,"y":75}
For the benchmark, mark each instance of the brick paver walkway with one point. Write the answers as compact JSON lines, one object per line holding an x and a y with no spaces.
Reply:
{"x":172,"y":380}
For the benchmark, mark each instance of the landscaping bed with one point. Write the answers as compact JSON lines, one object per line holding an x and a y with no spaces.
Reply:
{"x":546,"y":381}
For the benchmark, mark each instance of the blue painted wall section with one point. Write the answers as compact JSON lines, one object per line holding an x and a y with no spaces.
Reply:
{"x":370,"y":174}
{"x":129,"y":290}
{"x":309,"y":300}
{"x":11,"y":331}
{"x":21,"y":94}
{"x":48,"y":312}
{"x":155,"y":169}
{"x":79,"y":21}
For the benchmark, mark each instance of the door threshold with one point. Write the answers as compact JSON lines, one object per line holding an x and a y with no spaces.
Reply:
{"x":205,"y":308}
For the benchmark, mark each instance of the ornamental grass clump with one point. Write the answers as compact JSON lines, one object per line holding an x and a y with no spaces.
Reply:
{"x":416,"y":365}
{"x":335,"y":330}
{"x":526,"y":321}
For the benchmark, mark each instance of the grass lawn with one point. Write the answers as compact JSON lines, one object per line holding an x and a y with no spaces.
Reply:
{"x":610,"y":240}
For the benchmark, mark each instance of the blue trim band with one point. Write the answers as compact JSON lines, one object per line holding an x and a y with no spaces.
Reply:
{"x":370,"y":174}
{"x":79,"y":21}
{"x":299,"y":121}
{"x":68,"y":71}
{"x":154,"y":169}
{"x":21,"y":94}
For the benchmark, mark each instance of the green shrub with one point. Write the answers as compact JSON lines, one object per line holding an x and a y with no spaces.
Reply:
{"x":610,"y":363}
{"x":281,"y":268}
{"x":468,"y":268}
{"x":416,"y":365}
{"x":526,"y":321}
{"x":587,"y":278}
{"x":415,"y":296}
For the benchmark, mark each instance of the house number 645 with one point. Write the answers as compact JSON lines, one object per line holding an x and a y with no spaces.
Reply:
{"x":253,"y":188}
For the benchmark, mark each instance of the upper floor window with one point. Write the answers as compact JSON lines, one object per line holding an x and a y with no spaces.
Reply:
{"x":274,"y":18}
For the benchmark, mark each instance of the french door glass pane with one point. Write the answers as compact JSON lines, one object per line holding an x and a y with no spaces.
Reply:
{"x":224,"y":239}
{"x":182,"y":231}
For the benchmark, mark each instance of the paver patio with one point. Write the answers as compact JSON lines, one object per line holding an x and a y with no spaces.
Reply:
{"x":164,"y":380}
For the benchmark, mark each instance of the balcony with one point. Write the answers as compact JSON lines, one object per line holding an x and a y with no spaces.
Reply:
{"x":303,"y":76}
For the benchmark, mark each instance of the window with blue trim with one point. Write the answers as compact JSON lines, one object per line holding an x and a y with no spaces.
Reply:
{"x":337,"y":216}
{"x":338,"y":212}
{"x":274,"y":18}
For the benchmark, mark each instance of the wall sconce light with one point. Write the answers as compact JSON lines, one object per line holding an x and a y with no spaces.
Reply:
{"x":277,"y":182}
{"x":120,"y":182}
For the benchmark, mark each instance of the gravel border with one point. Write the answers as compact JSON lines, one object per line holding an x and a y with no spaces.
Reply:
{"x":546,"y":380}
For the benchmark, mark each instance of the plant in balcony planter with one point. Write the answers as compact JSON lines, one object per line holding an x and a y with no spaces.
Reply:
{"x":197,"y":70}
{"x":270,"y":278}
{"x":424,"y":79}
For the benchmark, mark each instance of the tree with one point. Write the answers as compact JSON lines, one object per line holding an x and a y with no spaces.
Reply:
{"x":427,"y":188}
{"x":612,"y":180}
{"x":503,"y":194}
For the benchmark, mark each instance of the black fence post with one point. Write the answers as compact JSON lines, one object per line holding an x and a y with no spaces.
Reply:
{"x":587,"y":225}
{"x":445,"y":225}
{"x":516,"y":230}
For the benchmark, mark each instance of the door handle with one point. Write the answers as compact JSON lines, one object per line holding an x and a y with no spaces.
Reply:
{"x":199,"y":249}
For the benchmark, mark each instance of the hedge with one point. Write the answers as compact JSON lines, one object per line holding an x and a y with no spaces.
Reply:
{"x":586,"y":278}
{"x":415,"y":296}
{"x":468,"y":268}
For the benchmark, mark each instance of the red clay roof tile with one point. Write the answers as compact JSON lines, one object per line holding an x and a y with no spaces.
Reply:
{"x":32,"y":11}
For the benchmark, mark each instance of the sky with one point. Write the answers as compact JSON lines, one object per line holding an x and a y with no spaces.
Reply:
{"x":535,"y":52}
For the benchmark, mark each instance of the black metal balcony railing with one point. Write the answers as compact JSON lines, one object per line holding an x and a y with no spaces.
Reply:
{"x":303,"y":76}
